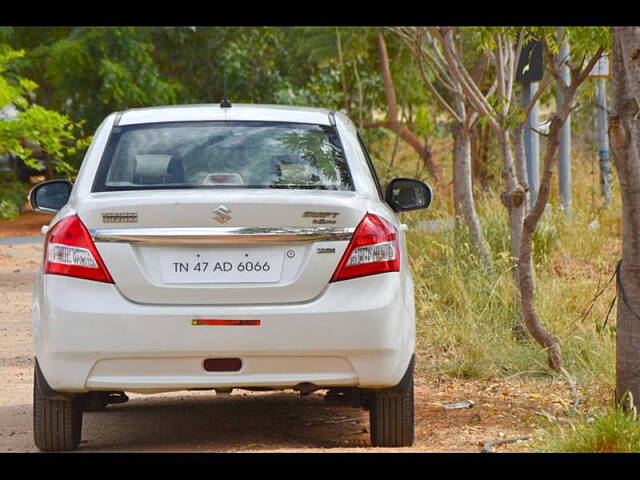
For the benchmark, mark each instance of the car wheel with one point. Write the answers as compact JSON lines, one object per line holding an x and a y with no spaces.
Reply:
{"x":57,"y":424}
{"x":391,"y":414}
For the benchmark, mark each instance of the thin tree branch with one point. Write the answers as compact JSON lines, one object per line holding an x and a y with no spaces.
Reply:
{"x":392,"y":105}
{"x":474,"y":96}
{"x":431,"y":56}
{"x":492,"y":89}
{"x":440,"y":71}
{"x":552,"y":67}
{"x":514,"y":56}
{"x":500,"y":71}
{"x":582,"y":76}
{"x":435,"y":92}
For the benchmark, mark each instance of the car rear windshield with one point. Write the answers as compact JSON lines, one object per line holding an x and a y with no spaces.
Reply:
{"x":223,"y":155}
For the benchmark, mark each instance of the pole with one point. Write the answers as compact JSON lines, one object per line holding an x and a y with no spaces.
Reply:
{"x":531,"y":141}
{"x":564,"y":148}
{"x":603,"y":141}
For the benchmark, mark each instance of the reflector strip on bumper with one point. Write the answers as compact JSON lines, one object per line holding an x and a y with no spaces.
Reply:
{"x":224,"y":322}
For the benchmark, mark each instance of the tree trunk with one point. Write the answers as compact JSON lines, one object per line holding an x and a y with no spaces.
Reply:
{"x":394,"y":124}
{"x":360,"y":95}
{"x":463,"y":191}
{"x":515,"y":199}
{"x":526,"y":286}
{"x":625,"y":140}
{"x":476,"y":150}
{"x":347,"y":98}
{"x":48,"y":166}
{"x":455,"y":174}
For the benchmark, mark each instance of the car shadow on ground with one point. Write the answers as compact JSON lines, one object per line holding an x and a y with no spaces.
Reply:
{"x":268,"y":421}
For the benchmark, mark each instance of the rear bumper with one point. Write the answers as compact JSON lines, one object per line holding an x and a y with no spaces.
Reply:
{"x":359,"y":332}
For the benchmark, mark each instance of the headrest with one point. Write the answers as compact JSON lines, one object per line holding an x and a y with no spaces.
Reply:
{"x":152,"y":165}
{"x":223,"y":179}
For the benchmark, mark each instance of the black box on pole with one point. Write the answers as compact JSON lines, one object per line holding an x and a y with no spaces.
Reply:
{"x":530,"y":68}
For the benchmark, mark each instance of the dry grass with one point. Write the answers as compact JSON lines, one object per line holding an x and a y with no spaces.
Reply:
{"x":467,"y":318}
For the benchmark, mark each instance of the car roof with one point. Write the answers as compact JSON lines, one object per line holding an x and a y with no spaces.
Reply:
{"x":212,"y":112}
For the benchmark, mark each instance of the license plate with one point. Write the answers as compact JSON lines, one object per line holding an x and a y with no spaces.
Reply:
{"x":222,"y":266}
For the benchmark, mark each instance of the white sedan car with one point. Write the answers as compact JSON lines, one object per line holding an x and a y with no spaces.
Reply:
{"x":216,"y":247}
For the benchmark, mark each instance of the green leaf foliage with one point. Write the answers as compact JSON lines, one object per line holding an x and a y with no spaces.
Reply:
{"x":33,"y":128}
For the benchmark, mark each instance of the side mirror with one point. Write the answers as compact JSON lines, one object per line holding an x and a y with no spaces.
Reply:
{"x":50,"y":196}
{"x":407,"y":194}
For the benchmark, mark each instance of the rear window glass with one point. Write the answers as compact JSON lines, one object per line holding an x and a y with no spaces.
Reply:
{"x":223,"y":155}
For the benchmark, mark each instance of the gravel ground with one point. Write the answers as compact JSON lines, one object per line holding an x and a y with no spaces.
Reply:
{"x":18,"y":265}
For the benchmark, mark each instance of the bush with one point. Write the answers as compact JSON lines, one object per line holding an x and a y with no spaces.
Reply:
{"x":12,"y":197}
{"x":8,"y":210}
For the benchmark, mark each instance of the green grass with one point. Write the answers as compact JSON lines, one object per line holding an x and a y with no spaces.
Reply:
{"x":468,"y":323}
{"x":467,"y":318}
{"x":615,"y":431}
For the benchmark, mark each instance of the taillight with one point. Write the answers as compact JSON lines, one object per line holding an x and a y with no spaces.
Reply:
{"x":373,"y":249}
{"x":70,"y":251}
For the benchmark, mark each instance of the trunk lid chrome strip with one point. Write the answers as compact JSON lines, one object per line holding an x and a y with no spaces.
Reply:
{"x":219,"y":235}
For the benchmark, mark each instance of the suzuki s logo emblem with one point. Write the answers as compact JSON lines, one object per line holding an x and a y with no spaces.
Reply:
{"x":221,"y":214}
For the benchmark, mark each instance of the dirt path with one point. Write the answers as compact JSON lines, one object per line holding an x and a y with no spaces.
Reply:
{"x":243,"y":421}
{"x":27,"y":225}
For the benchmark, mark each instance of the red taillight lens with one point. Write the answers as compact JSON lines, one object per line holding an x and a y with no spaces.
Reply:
{"x":373,"y":249}
{"x":70,"y":251}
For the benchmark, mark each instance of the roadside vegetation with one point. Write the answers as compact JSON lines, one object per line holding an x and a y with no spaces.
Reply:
{"x":613,"y":431}
{"x":467,"y":318}
{"x":12,"y":196}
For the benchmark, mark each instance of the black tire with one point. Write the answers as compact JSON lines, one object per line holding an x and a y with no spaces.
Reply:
{"x":57,"y":424}
{"x":391,"y":414}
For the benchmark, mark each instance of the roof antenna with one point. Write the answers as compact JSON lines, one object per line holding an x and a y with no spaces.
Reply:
{"x":225,"y":103}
